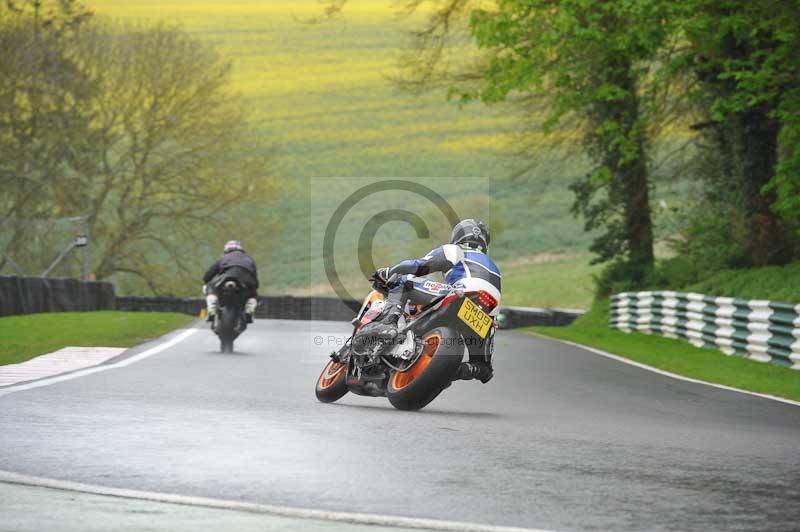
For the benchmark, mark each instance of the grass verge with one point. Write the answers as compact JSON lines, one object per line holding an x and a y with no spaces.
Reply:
{"x":549,"y":280}
{"x":677,"y":356}
{"x":24,"y":337}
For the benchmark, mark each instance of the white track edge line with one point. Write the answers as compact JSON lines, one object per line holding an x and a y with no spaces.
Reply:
{"x":9,"y":477}
{"x":46,"y":381}
{"x":667,"y":373}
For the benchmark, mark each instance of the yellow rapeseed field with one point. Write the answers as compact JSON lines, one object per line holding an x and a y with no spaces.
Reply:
{"x":320,"y":95}
{"x":320,"y":91}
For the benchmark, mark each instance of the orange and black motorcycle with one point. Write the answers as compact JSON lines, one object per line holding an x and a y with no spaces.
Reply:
{"x":422,"y":360}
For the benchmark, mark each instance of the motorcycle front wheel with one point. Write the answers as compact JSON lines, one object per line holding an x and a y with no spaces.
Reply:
{"x":332,"y":384}
{"x":433,"y":371}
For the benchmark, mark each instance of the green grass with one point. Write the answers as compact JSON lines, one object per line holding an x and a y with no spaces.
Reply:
{"x":24,"y":337}
{"x":677,"y":356}
{"x":776,"y":283}
{"x":557,"y":281}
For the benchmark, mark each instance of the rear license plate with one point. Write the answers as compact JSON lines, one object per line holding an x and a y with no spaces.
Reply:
{"x":475,"y":318}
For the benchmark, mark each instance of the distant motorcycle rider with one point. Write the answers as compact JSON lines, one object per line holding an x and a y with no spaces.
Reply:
{"x":237,"y":264}
{"x":464,"y":257}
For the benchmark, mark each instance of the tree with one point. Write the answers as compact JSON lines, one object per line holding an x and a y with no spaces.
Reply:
{"x":587,"y":65}
{"x":743,"y":55}
{"x":593,"y":61}
{"x":43,"y":101}
{"x":172,"y":158}
{"x":136,"y":127}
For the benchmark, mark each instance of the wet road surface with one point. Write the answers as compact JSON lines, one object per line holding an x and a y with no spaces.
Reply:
{"x":561,"y":439}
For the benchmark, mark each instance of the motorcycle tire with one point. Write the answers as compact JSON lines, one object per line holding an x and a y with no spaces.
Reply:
{"x":433,"y":371}
{"x":227,"y":325}
{"x":332,"y":384}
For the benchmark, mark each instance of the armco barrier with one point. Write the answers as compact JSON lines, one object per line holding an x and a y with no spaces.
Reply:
{"x":27,"y":295}
{"x":303,"y":308}
{"x":185,"y":305}
{"x":766,"y":331}
{"x":278,"y":307}
{"x":513,"y":317}
{"x":333,"y":309}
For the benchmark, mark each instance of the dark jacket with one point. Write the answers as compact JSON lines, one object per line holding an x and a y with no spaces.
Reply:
{"x":238,"y":264}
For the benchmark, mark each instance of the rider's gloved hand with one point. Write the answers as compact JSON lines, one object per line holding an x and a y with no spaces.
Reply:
{"x":205,"y":290}
{"x":380,"y":277}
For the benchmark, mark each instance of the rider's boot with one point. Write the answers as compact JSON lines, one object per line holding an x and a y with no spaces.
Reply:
{"x":475,"y":370}
{"x":211,"y":306}
{"x":250,"y":309}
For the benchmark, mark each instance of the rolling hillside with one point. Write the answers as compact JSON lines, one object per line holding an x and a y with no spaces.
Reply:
{"x":320,"y":96}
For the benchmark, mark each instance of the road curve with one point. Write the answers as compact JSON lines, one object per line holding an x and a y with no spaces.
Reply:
{"x":561,"y":439}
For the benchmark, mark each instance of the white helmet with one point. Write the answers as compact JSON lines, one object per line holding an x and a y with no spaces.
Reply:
{"x":232,"y":245}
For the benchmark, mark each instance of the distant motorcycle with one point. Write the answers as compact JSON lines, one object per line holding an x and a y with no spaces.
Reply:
{"x":421,"y":361}
{"x":229,"y":321}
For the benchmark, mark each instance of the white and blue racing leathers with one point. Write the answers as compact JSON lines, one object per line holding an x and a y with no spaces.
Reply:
{"x":463,"y":268}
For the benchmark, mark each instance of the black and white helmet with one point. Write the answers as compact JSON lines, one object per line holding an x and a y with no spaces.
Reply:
{"x":471,"y":232}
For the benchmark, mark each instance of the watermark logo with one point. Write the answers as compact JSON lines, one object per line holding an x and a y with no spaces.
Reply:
{"x":387,"y":189}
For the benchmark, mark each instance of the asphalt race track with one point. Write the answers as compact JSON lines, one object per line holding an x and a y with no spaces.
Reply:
{"x":561,"y":439}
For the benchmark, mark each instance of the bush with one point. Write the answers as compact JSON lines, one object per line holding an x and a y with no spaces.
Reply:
{"x":716,"y":237}
{"x":685,"y":274}
{"x":677,"y":271}
{"x":619,"y":276}
{"x":776,"y":283}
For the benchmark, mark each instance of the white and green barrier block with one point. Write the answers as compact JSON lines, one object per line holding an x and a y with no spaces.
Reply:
{"x":767,"y":331}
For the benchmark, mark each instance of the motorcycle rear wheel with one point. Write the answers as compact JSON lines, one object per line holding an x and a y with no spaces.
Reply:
{"x":227,"y":324}
{"x":433,"y":371}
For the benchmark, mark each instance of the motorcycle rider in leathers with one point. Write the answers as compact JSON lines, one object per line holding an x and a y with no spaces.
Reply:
{"x":464,"y":257}
{"x":234,"y":263}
